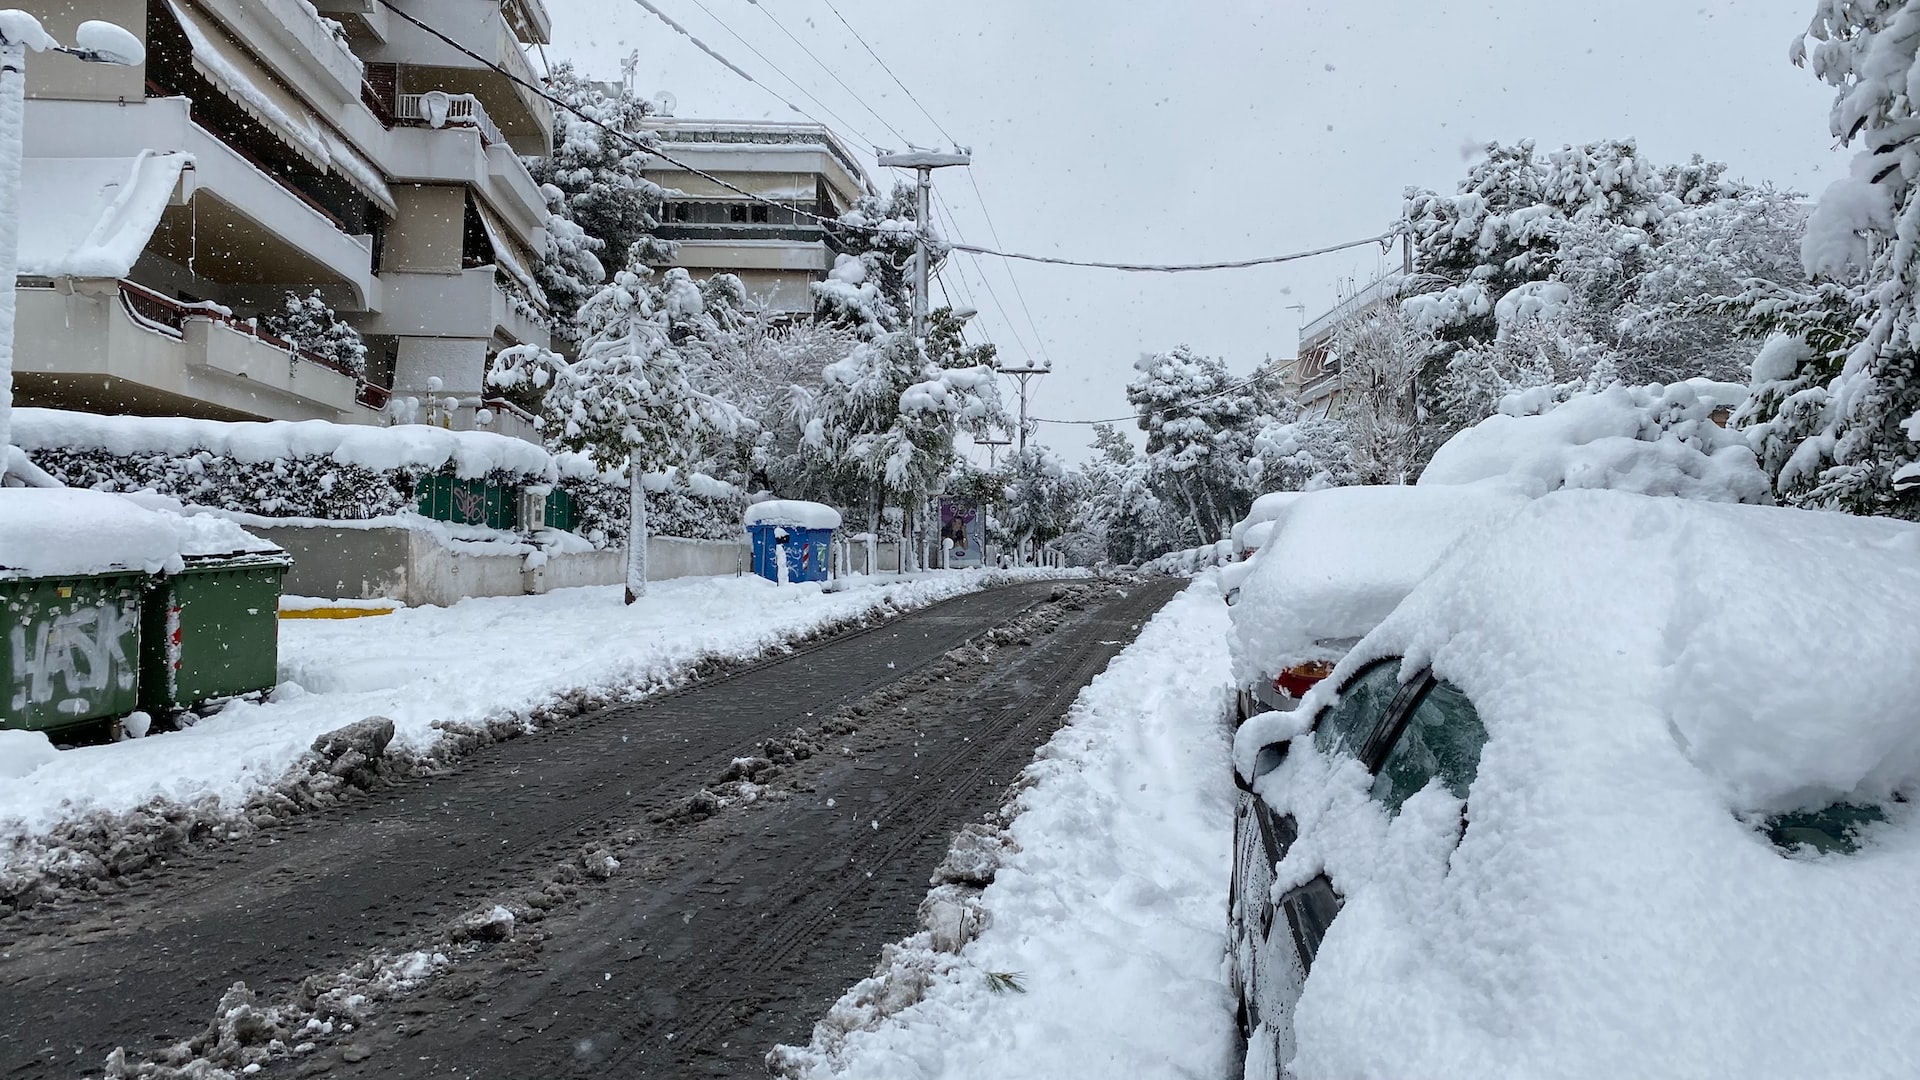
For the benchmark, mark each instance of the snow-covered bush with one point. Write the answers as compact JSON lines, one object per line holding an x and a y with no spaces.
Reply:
{"x":1653,"y":440}
{"x":297,"y":487}
{"x":306,"y":322}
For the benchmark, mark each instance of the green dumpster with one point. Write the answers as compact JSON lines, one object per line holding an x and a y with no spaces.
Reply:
{"x":211,"y":631}
{"x":68,"y":655}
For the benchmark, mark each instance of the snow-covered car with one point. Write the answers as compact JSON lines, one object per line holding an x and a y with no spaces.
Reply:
{"x":1251,"y":532}
{"x":1338,"y":562}
{"x":1619,"y":789}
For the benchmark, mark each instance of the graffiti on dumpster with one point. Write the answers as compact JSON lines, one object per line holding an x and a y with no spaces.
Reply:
{"x":73,"y":658}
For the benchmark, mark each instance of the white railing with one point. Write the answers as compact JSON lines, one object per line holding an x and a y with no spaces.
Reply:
{"x":437,"y":108}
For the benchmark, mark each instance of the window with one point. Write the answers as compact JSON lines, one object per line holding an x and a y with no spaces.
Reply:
{"x":1364,"y":702}
{"x":681,"y":211}
{"x":1310,"y":910}
{"x":737,"y":214}
{"x":759,"y":213}
{"x":1441,"y":737}
{"x":1833,"y":831}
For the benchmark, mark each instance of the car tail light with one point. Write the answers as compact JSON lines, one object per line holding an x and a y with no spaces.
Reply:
{"x":1297,"y":680}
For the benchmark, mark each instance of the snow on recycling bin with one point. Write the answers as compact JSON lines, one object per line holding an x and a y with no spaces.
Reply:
{"x":792,"y":539}
{"x":123,"y":604}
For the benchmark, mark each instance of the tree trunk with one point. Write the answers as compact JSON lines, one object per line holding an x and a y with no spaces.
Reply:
{"x":636,"y":529}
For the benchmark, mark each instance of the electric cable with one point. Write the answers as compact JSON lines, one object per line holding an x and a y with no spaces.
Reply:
{"x":855,"y":94}
{"x":883,"y":67}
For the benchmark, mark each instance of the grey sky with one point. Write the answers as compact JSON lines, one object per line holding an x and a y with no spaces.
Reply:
{"x":1225,"y":129}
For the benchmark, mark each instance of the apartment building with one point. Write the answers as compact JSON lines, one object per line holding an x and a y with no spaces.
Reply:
{"x":776,"y":252}
{"x":1314,"y":380}
{"x":276,"y":146}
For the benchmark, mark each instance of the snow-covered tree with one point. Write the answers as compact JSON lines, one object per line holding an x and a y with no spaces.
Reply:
{"x":627,"y":398}
{"x":1039,"y":498}
{"x":1835,"y":405}
{"x":598,"y":175}
{"x":1200,"y":424}
{"x":306,"y":322}
{"x":1379,"y":354}
{"x":569,"y":270}
{"x":869,"y":290}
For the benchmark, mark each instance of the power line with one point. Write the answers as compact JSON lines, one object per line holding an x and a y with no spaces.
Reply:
{"x":1178,"y":268}
{"x":883,"y":67}
{"x":1234,"y":389}
{"x":653,"y":147}
{"x":826,"y":108}
{"x":1018,"y":294}
{"x":768,"y":12}
{"x":987,"y":282}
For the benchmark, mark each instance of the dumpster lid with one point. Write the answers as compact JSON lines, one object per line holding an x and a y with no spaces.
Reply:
{"x":202,"y":536}
{"x":70,"y":532}
{"x":794,"y":514}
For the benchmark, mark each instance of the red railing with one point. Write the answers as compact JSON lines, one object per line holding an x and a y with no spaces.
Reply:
{"x":159,"y":310}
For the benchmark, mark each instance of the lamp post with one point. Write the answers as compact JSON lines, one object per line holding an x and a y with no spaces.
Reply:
{"x":20,"y":33}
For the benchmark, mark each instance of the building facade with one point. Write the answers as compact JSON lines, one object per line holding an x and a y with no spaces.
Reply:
{"x":777,"y":253}
{"x":269,"y":147}
{"x":1314,"y":378}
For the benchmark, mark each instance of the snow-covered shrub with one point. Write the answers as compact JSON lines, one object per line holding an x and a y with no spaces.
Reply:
{"x":308,"y":487}
{"x":1653,"y":440}
{"x":672,"y":510}
{"x":306,"y":322}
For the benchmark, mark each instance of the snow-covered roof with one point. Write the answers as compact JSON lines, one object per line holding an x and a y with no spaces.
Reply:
{"x":65,"y":532}
{"x":1343,"y":557}
{"x":471,"y":454}
{"x":91,"y":217}
{"x":793,"y":513}
{"x":1653,"y":675}
{"x":1654,"y":440}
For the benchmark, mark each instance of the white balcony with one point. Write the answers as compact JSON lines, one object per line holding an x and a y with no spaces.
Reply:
{"x":238,"y":226}
{"x":468,"y":304}
{"x":481,"y":26}
{"x":114,"y":346}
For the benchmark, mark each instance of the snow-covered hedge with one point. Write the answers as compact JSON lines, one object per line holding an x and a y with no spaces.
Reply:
{"x":315,"y":469}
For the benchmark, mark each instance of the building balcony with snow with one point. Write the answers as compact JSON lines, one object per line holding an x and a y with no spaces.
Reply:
{"x":777,"y":253}
{"x":166,"y":206}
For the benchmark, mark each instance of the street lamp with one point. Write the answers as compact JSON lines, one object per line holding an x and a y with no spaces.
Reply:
{"x":96,"y":42}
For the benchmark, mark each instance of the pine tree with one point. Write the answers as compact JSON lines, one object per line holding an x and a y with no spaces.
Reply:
{"x":1200,"y":425}
{"x":307,"y":323}
{"x":1835,"y":407}
{"x":627,"y":399}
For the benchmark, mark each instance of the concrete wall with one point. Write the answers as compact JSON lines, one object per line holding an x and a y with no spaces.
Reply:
{"x":427,"y":233}
{"x":411,"y":566}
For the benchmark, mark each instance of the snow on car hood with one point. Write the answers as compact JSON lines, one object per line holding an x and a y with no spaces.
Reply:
{"x":1342,"y":558}
{"x":1652,"y":674}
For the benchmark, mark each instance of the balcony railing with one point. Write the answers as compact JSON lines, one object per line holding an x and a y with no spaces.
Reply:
{"x":162,"y":313}
{"x":693,"y":230}
{"x":436,"y":108}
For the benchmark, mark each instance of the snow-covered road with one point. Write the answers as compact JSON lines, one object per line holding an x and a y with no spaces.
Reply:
{"x":489,"y":658}
{"x":1111,"y":916}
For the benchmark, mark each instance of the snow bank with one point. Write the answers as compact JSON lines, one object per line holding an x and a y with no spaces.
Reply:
{"x":1652,"y":674}
{"x":1111,"y":912}
{"x":793,"y":513}
{"x":481,"y":659}
{"x":199,"y":533}
{"x":1341,"y":560}
{"x":1655,"y":440}
{"x":469,"y":454}
{"x":55,"y":532}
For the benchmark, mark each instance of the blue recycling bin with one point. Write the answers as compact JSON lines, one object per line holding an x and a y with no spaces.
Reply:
{"x":802,"y":530}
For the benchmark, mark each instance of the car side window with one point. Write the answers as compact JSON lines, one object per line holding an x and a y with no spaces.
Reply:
{"x":1442,"y":736}
{"x":1363,"y":702}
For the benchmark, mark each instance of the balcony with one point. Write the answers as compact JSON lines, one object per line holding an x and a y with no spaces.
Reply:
{"x":468,"y":304}
{"x":487,"y":28}
{"x":117,"y":346}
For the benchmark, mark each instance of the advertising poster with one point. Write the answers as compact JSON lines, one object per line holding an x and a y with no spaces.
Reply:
{"x":962,"y":522}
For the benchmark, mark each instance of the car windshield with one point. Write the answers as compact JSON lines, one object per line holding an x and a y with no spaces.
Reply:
{"x":1835,"y":830}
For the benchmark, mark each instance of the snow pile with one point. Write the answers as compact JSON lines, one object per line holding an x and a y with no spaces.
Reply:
{"x":1343,"y":558}
{"x":1101,"y":933}
{"x":201,"y":534}
{"x":1652,"y":674}
{"x":1655,"y":440}
{"x":59,"y":532}
{"x":440,"y":674}
{"x":21,"y":752}
{"x":793,"y":513}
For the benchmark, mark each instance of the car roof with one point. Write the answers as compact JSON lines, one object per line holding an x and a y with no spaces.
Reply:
{"x":1654,"y":676}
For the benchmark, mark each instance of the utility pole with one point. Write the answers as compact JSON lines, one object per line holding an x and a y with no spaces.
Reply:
{"x":993,"y":450}
{"x":1023,"y":374}
{"x":924,"y":162}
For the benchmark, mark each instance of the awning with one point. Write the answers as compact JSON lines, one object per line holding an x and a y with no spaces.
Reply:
{"x":504,"y":257}
{"x":93,"y":216}
{"x":227,"y":66}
